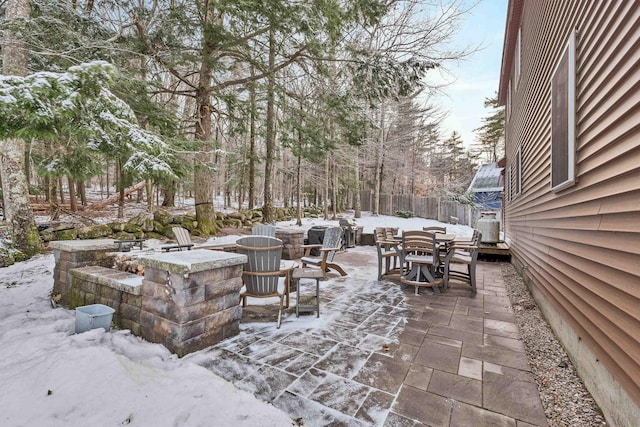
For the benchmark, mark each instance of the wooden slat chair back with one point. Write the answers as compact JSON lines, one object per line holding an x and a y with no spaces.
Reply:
{"x":331,"y":243}
{"x":263,"y":230}
{"x":420,"y":252}
{"x":262,"y":270}
{"x":387,"y":249}
{"x":463,"y":253}
{"x":182,"y":238}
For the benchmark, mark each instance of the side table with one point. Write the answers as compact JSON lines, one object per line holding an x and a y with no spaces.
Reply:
{"x":307,"y":273}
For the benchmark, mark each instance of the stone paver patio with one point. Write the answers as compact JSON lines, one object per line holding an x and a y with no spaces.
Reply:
{"x":380,"y":355}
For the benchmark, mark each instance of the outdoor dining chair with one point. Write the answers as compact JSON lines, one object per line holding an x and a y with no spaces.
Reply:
{"x":261,"y":272}
{"x":463,"y":253}
{"x":420,"y":253}
{"x":388,"y":253}
{"x":331,"y":244}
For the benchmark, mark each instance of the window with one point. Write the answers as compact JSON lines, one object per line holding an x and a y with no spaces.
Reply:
{"x":508,"y":110}
{"x":518,"y":172}
{"x":516,"y":58}
{"x":563,"y":119}
{"x":508,"y":184}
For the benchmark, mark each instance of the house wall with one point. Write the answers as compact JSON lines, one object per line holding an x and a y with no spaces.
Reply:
{"x":579,"y":248}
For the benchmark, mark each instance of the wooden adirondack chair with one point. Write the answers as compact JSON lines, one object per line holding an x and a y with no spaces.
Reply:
{"x":262,"y":270}
{"x":263,"y":230}
{"x":183,"y":239}
{"x":330,"y":245}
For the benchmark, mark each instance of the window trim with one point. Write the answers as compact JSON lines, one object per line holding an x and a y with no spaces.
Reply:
{"x":519,"y":171}
{"x":569,"y":50}
{"x":508,"y":112}
{"x":517,"y":59}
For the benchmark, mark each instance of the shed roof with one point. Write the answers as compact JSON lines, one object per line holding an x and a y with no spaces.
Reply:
{"x":487,"y":178}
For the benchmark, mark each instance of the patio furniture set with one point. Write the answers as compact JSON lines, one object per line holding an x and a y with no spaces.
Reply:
{"x":265,"y":266}
{"x":427,"y":258}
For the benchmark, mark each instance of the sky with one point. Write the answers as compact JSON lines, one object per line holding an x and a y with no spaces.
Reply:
{"x":475,"y":78}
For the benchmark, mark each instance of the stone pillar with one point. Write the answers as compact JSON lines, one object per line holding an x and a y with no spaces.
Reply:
{"x":191,"y":299}
{"x":292,"y":241}
{"x":71,"y":254}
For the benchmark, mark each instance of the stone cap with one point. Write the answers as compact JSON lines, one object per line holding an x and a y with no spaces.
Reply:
{"x":185,"y":262}
{"x":83,"y":245}
{"x":290,"y":230}
{"x":116,"y":279}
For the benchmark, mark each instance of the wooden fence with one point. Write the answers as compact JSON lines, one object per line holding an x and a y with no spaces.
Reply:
{"x":423,"y":207}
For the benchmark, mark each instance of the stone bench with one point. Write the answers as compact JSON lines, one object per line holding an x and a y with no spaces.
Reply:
{"x":119,"y":290}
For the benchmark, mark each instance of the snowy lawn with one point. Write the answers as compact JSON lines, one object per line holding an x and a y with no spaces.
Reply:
{"x":50,"y":376}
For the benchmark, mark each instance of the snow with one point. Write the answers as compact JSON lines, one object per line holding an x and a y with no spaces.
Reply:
{"x":51,"y":376}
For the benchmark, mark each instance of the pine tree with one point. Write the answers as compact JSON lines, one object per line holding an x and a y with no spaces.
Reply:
{"x":490,"y":135}
{"x":24,"y":233}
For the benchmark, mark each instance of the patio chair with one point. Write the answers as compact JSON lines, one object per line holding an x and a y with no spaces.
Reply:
{"x":420,"y":253}
{"x":262,"y":271}
{"x":464,"y":253}
{"x":387,"y":252}
{"x":263,"y":230}
{"x":331,"y":243}
{"x":183,"y":239}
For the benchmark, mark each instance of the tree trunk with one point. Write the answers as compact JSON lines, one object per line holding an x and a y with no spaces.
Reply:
{"x":120,"y":190}
{"x":73,"y":203}
{"x":335,"y":187}
{"x":252,"y":144}
{"x":268,"y":213}
{"x":202,"y":177}
{"x":149,"y":190}
{"x":24,"y":233}
{"x":379,"y":150}
{"x":169,"y":195}
{"x":82,"y":192}
{"x":61,"y":190}
{"x":326,"y":187}
{"x":298,"y":182}
{"x":357,"y":201}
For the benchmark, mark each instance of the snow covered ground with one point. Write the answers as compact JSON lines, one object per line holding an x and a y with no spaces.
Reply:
{"x":50,"y":376}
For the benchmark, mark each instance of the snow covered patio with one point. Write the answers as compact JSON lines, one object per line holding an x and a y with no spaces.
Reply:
{"x":380,"y":355}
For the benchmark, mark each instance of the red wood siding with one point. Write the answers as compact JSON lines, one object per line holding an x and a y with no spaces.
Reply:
{"x":582,"y":244}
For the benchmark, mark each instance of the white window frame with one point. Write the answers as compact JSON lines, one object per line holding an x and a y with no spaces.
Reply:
{"x":570,"y":51}
{"x":508,"y":183}
{"x":508,"y":112}
{"x":519,"y":171}
{"x":517,"y":59}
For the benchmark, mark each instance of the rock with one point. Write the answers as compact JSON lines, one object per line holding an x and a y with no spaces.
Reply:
{"x":231,"y":222}
{"x":189,"y":224}
{"x":131,"y":228}
{"x":163,"y":217}
{"x":143,"y":220}
{"x":168,"y":232}
{"x":116,"y":226}
{"x":66,"y":234}
{"x":94,"y":231}
{"x":6,"y":258}
{"x":47,"y":235}
{"x":123,"y":235}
